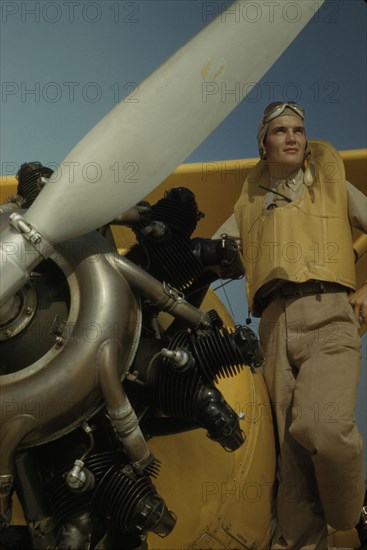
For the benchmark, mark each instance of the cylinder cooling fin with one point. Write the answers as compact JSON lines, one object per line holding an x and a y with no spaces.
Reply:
{"x":167,"y":254}
{"x":187,"y":396}
{"x":167,"y":250}
{"x":31,"y":177}
{"x":179,"y":210}
{"x":220,"y":352}
{"x":127,"y":501}
{"x":181,"y":381}
{"x":132,"y":503}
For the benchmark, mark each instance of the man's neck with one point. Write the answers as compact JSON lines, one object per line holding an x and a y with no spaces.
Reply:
{"x":282,"y":171}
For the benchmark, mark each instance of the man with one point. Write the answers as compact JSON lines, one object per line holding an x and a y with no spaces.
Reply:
{"x":294,"y":217}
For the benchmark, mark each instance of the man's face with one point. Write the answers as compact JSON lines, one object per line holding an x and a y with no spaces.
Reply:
{"x":285,"y":142}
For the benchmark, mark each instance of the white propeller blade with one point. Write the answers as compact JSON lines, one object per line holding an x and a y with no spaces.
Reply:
{"x":138,"y":144}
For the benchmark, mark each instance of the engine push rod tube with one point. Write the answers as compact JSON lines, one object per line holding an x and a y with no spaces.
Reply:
{"x":161,"y":295}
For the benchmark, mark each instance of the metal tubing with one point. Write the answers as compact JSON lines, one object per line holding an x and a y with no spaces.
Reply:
{"x":161,"y":295}
{"x":11,"y":435}
{"x":121,"y":413}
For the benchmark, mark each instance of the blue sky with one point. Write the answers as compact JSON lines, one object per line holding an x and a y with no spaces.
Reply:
{"x":65,"y":64}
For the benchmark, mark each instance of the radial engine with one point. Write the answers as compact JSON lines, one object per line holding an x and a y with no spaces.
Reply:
{"x":89,"y":374}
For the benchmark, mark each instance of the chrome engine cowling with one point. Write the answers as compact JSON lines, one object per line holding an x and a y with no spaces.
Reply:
{"x":63,"y":387}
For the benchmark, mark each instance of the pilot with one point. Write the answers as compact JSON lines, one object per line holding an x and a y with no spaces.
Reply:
{"x":294,"y":218}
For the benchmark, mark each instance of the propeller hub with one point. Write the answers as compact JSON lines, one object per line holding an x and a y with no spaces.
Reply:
{"x":20,"y":313}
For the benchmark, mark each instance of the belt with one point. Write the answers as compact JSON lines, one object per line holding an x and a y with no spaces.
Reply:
{"x":305,"y":289}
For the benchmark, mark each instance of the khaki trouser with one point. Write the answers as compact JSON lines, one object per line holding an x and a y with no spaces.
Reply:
{"x":311,"y":371}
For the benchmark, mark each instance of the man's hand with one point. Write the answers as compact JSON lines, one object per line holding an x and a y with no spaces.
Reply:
{"x":358,"y":301}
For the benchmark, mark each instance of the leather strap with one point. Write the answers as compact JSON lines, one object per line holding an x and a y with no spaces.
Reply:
{"x":305,"y":289}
